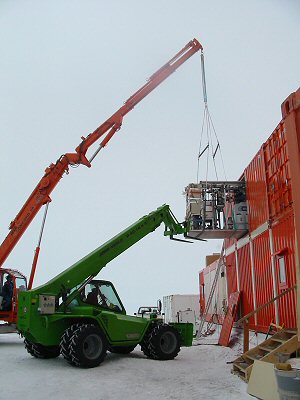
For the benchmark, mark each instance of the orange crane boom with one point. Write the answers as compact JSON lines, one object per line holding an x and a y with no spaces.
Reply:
{"x":41,"y":194}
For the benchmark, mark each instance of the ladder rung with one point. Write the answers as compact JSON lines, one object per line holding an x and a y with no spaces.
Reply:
{"x":211,"y":294}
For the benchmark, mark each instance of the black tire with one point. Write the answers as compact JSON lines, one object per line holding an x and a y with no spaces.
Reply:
{"x":39,"y":351}
{"x":164,"y":342}
{"x":87,"y":347}
{"x":145,"y":343}
{"x":66,"y":340}
{"x":122,"y":349}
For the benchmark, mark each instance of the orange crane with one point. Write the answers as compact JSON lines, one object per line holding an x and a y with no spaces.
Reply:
{"x":41,"y":194}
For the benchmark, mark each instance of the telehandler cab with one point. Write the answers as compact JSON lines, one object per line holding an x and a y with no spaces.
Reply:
{"x":81,"y":318}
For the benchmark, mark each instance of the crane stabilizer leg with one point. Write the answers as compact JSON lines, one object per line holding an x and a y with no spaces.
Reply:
{"x":37,"y":250}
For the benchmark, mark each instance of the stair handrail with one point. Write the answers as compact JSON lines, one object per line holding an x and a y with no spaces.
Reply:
{"x":247,"y":316}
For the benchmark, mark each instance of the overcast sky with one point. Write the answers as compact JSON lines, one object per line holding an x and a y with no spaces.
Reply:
{"x":67,"y":65}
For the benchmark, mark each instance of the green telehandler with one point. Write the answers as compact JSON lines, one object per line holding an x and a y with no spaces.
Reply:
{"x":82,"y":318}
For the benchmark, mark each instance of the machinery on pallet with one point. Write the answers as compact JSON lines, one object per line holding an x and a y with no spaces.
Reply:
{"x":81,"y":318}
{"x":216,"y":209}
{"x":53,"y":174}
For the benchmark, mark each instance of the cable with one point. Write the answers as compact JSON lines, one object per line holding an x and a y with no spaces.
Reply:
{"x":218,"y":145}
{"x":211,"y":135}
{"x":199,"y":152}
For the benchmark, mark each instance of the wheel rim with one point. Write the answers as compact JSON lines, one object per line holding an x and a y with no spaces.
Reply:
{"x":92,"y":346}
{"x":168,"y":342}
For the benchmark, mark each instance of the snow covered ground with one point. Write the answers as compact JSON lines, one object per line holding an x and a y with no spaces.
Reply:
{"x":199,"y":372}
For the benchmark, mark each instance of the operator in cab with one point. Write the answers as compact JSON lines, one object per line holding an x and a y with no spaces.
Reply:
{"x":7,"y":294}
{"x":92,"y":297}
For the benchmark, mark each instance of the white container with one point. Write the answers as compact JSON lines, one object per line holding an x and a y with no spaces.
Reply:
{"x":240,"y":213}
{"x":181,"y":308}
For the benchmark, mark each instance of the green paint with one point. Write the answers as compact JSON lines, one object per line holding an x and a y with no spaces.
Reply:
{"x":70,"y":307}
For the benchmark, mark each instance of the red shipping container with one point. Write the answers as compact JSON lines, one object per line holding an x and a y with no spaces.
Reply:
{"x":263,"y":264}
{"x":256,"y":192}
{"x":278,"y":182}
{"x":245,"y":282}
{"x":284,"y":251}
{"x":231,"y":275}
{"x":264,"y":287}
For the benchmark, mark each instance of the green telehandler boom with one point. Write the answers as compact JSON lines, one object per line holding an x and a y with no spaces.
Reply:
{"x":82,"y":318}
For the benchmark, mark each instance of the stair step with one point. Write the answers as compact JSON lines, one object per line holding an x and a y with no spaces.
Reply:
{"x":267,"y":349}
{"x":291,"y":331}
{"x":254,"y":357}
{"x":239,"y":373}
{"x":241,"y":366}
{"x":279,"y":340}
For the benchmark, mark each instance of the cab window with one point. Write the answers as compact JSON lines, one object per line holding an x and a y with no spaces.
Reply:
{"x":101,"y":294}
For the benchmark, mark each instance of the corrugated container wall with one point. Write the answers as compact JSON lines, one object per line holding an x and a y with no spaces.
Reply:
{"x":231,"y":275}
{"x":218,"y":304}
{"x":284,"y":249}
{"x":262,"y":264}
{"x":256,"y":192}
{"x":245,"y":281}
{"x":277,"y":173}
{"x":264,"y":287}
